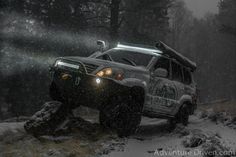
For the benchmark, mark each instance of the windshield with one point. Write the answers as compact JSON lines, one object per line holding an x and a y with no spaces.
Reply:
{"x":127,"y":57}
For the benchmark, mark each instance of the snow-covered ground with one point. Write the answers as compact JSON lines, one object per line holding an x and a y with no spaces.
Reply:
{"x":152,"y":137}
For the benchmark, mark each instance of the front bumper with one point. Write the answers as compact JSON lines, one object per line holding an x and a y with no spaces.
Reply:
{"x":86,"y":89}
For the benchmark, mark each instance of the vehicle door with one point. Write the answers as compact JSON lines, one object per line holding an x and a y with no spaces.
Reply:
{"x":177,"y":77}
{"x":161,"y":89}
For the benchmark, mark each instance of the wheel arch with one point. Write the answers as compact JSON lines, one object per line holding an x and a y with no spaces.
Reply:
{"x":185,"y":100}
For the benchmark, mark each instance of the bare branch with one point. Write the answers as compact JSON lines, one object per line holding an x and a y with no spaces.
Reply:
{"x":98,"y":17}
{"x":121,"y":21}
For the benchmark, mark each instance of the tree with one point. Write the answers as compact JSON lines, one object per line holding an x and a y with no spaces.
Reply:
{"x":181,"y":23}
{"x":131,"y":20}
{"x":65,"y":14}
{"x":114,"y":23}
{"x":227,"y":15}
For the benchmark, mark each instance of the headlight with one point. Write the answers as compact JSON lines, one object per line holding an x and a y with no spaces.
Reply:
{"x":110,"y":73}
{"x":107,"y":72}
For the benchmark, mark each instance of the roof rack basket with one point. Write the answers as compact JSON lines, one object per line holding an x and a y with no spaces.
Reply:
{"x":174,"y":54}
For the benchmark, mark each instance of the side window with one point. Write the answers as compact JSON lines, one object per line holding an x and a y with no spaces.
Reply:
{"x":187,"y":77}
{"x":163,"y":63}
{"x":177,"y":72}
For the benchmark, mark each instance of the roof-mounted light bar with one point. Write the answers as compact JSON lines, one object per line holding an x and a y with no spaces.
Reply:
{"x":153,"y":50}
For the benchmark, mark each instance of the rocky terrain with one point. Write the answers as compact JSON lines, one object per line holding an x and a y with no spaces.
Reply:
{"x":207,"y":132}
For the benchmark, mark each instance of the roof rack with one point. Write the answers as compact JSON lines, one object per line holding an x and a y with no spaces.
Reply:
{"x":173,"y":53}
{"x":166,"y":50}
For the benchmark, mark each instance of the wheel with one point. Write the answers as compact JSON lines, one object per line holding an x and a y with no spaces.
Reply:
{"x":122,"y":114}
{"x":45,"y":121}
{"x":172,"y":123}
{"x":55,"y":93}
{"x":183,"y":115}
{"x":104,"y":121}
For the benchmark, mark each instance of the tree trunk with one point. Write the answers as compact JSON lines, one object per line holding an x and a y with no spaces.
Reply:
{"x":114,"y":23}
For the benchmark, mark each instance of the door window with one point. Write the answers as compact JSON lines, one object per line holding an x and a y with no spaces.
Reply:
{"x":163,"y":63}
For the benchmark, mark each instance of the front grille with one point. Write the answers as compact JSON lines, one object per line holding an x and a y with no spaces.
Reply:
{"x":90,"y":67}
{"x":71,"y":66}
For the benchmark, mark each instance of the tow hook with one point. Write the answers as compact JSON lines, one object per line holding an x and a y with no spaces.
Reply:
{"x":77,"y":81}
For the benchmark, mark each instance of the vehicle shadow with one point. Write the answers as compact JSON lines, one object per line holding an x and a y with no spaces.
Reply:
{"x":157,"y":129}
{"x":147,"y":128}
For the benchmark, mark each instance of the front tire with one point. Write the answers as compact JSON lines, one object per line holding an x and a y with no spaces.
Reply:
{"x":122,"y":114}
{"x":54,"y":93}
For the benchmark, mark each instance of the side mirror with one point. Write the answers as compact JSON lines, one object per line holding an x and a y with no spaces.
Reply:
{"x":160,"y":72}
{"x":102,"y":45}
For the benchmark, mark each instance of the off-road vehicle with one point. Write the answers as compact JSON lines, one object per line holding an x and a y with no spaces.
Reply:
{"x":123,"y":83}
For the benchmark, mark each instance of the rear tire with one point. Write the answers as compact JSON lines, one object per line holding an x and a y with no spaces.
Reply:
{"x":183,"y":115}
{"x":104,"y":120}
{"x":172,"y":123}
{"x":45,"y":121}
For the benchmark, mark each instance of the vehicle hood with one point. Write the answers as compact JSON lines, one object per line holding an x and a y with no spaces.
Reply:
{"x":104,"y":63}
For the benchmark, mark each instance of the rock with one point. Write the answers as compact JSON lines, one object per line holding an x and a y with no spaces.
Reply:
{"x":233,"y":119}
{"x":202,"y":114}
{"x":214,"y":146}
{"x":227,"y":123}
{"x":212,"y":116}
{"x":222,"y":117}
{"x":194,"y":140}
{"x":106,"y":151}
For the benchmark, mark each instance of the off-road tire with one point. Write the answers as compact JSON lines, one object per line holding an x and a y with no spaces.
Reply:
{"x":121,"y":114}
{"x":172,"y":122}
{"x":183,"y":115}
{"x":55,"y":93}
{"x":104,"y":121}
{"x":45,"y":121}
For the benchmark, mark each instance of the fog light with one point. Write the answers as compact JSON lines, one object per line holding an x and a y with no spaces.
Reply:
{"x":98,"y":80}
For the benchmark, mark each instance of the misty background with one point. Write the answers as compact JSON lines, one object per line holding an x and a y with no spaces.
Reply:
{"x":34,"y":32}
